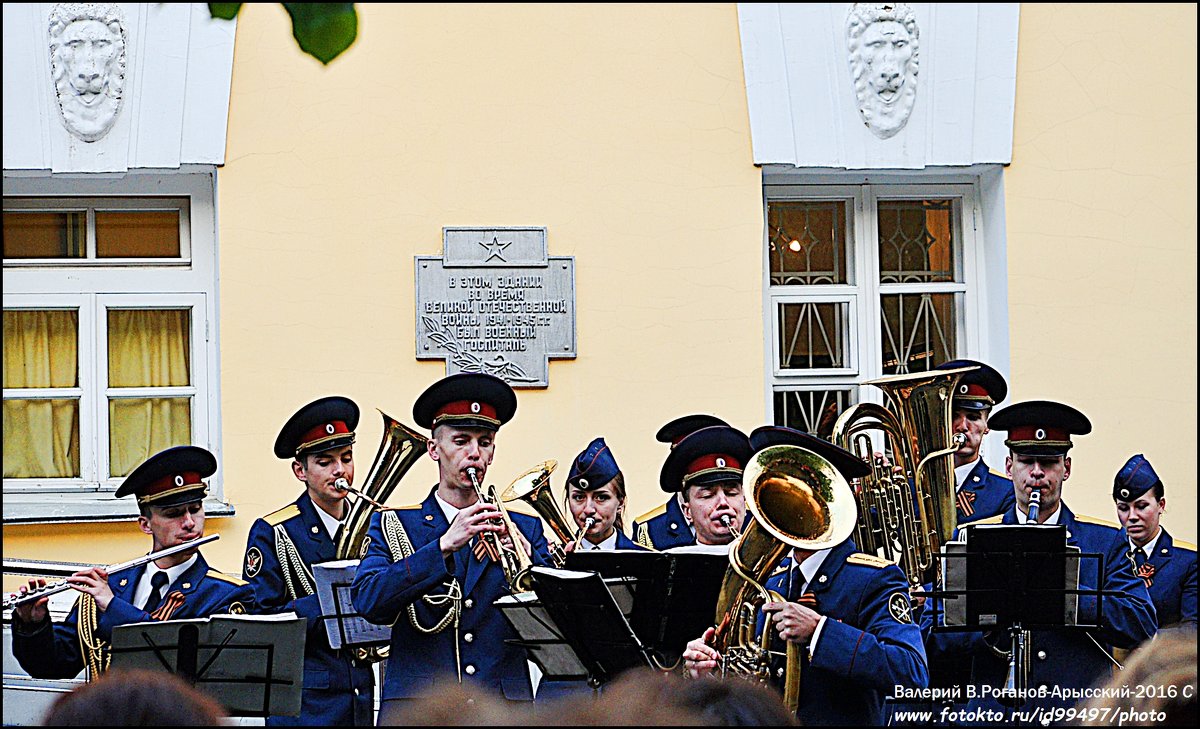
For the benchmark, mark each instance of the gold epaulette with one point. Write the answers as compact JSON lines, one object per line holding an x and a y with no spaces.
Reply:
{"x":990,"y":520}
{"x":994,"y":472}
{"x":409,"y":507}
{"x":1184,"y":545}
{"x":780,"y":568}
{"x":279,"y":517}
{"x":868,"y":560}
{"x":226,"y":578}
{"x":656,"y":511}
{"x":1092,"y":520}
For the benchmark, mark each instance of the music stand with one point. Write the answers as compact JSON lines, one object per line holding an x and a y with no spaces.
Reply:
{"x":252,"y":664}
{"x":344,"y":625}
{"x":541,"y":637}
{"x":674,"y":594}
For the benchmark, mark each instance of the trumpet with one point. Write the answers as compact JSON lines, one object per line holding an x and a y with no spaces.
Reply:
{"x":588,"y":523}
{"x":17,"y":599}
{"x":512,"y":558}
{"x":727,"y":520}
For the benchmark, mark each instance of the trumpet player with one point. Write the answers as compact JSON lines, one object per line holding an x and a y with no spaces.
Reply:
{"x":170,"y":493}
{"x":667,"y":526}
{"x":848,"y":611}
{"x":318,"y":441}
{"x":432,"y":571}
{"x":596,"y":499}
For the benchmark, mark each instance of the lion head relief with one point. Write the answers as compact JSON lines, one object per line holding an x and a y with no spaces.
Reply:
{"x":87,"y":63}
{"x":883,"y":44}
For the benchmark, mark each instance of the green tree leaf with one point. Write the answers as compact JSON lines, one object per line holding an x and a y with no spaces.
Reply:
{"x":323,"y":30}
{"x":224,"y":11}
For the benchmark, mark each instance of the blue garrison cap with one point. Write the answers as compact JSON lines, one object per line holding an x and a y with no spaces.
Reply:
{"x":1135,"y":478}
{"x":594,"y":467}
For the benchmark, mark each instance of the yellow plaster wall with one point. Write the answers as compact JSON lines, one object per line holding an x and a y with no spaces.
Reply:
{"x":1101,"y":211}
{"x":622,"y":130}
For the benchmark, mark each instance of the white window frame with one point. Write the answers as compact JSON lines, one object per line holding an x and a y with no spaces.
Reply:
{"x":865,"y":344}
{"x":94,"y":285}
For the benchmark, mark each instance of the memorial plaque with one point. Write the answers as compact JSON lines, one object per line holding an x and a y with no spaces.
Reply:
{"x":496,"y":303}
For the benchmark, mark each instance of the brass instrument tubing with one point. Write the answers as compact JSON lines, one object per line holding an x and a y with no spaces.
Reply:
{"x":342,"y":484}
{"x":490,"y":541}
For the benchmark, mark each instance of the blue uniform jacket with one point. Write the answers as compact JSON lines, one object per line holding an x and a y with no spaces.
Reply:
{"x":868,"y":645}
{"x":989,"y":493}
{"x":53,"y":651}
{"x":337,"y":688}
{"x":664,"y":527}
{"x":474,"y":651}
{"x":1173,"y":583}
{"x":548,"y":690}
{"x":1065,"y":658}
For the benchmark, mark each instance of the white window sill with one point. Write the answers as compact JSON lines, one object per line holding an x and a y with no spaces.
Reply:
{"x":64,"y":508}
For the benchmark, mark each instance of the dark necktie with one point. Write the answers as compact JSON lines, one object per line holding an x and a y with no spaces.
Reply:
{"x":158,"y":581}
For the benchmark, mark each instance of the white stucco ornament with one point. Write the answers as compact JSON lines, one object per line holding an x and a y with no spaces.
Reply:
{"x":87,"y":64}
{"x":882,"y":39}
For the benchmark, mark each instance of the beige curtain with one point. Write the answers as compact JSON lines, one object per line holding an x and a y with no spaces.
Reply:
{"x":147,"y":348}
{"x":41,"y":437}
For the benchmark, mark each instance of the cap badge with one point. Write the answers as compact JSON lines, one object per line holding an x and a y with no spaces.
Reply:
{"x":962,"y":389}
{"x":1124,"y":493}
{"x":475,"y":407}
{"x":179,"y":480}
{"x":720,"y":463}
{"x":329,"y":428}
{"x":583,"y":483}
{"x":1039,"y":434}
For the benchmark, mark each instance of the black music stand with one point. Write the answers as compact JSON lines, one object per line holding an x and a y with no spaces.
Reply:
{"x":674,"y":594}
{"x":252,"y":664}
{"x":344,"y":625}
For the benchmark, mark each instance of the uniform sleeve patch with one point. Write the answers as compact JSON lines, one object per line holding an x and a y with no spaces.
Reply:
{"x":900,"y":607}
{"x":254,"y":562}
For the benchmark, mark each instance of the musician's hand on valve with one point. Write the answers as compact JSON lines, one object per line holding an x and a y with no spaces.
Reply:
{"x":93,"y":581}
{"x":699,"y":658}
{"x":793,"y":621}
{"x":472,"y":520}
{"x":34,"y":611}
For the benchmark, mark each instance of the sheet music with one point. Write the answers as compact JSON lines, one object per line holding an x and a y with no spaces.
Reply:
{"x":343,"y":624}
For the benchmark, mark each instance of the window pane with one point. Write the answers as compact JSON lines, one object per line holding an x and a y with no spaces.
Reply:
{"x":919,"y":331}
{"x":41,"y":438}
{"x":41,"y":348}
{"x":149,"y":347}
{"x":137,"y":234}
{"x":813,"y":335}
{"x":807,"y":242}
{"x":813,"y":411}
{"x":30,"y":234}
{"x":916,"y":241}
{"x":141,"y":427}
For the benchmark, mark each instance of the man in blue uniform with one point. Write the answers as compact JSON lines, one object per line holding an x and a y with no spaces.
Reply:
{"x":981,"y":492}
{"x":170,"y":493}
{"x":319,"y":441}
{"x":706,"y":467}
{"x":850,"y":612}
{"x":666,"y":526}
{"x":1039,"y":437}
{"x":428,"y":572}
{"x":1166,"y":566}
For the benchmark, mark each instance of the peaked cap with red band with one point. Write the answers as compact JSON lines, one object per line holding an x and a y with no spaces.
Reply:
{"x":171,"y":477}
{"x":1040,"y":427}
{"x":318,"y":426}
{"x":709,"y":455}
{"x":848,"y":464}
{"x":466,"y":400}
{"x":977,"y":390}
{"x":680,"y":428}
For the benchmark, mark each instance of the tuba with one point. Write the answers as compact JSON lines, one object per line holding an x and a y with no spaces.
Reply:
{"x":533,"y":487}
{"x":798,"y":500}
{"x":900,"y":520}
{"x":400,"y":448}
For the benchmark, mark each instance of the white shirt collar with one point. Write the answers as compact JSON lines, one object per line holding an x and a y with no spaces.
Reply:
{"x":961,"y":473}
{"x":701,"y":548}
{"x":810,"y":566}
{"x":447,"y":508}
{"x":173,"y":573}
{"x":1149,"y":548}
{"x":1023,"y":518}
{"x":331,"y":525}
{"x":608,"y":544}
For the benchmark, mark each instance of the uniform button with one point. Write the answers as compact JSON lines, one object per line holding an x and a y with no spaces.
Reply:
{"x":976,"y":478}
{"x":1041,"y":655}
{"x":1164,"y":550}
{"x":429,"y":517}
{"x":469,"y":637}
{"x":314,"y":530}
{"x":674,"y":525}
{"x":469,"y":603}
{"x":823,"y":579}
{"x":470,"y":670}
{"x":356,"y":692}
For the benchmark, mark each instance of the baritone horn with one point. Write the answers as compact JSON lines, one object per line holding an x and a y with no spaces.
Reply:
{"x":798,"y":500}
{"x":906,"y":512}
{"x":533,"y":487}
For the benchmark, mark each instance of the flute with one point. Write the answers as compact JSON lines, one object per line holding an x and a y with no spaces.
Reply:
{"x":16,"y":599}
